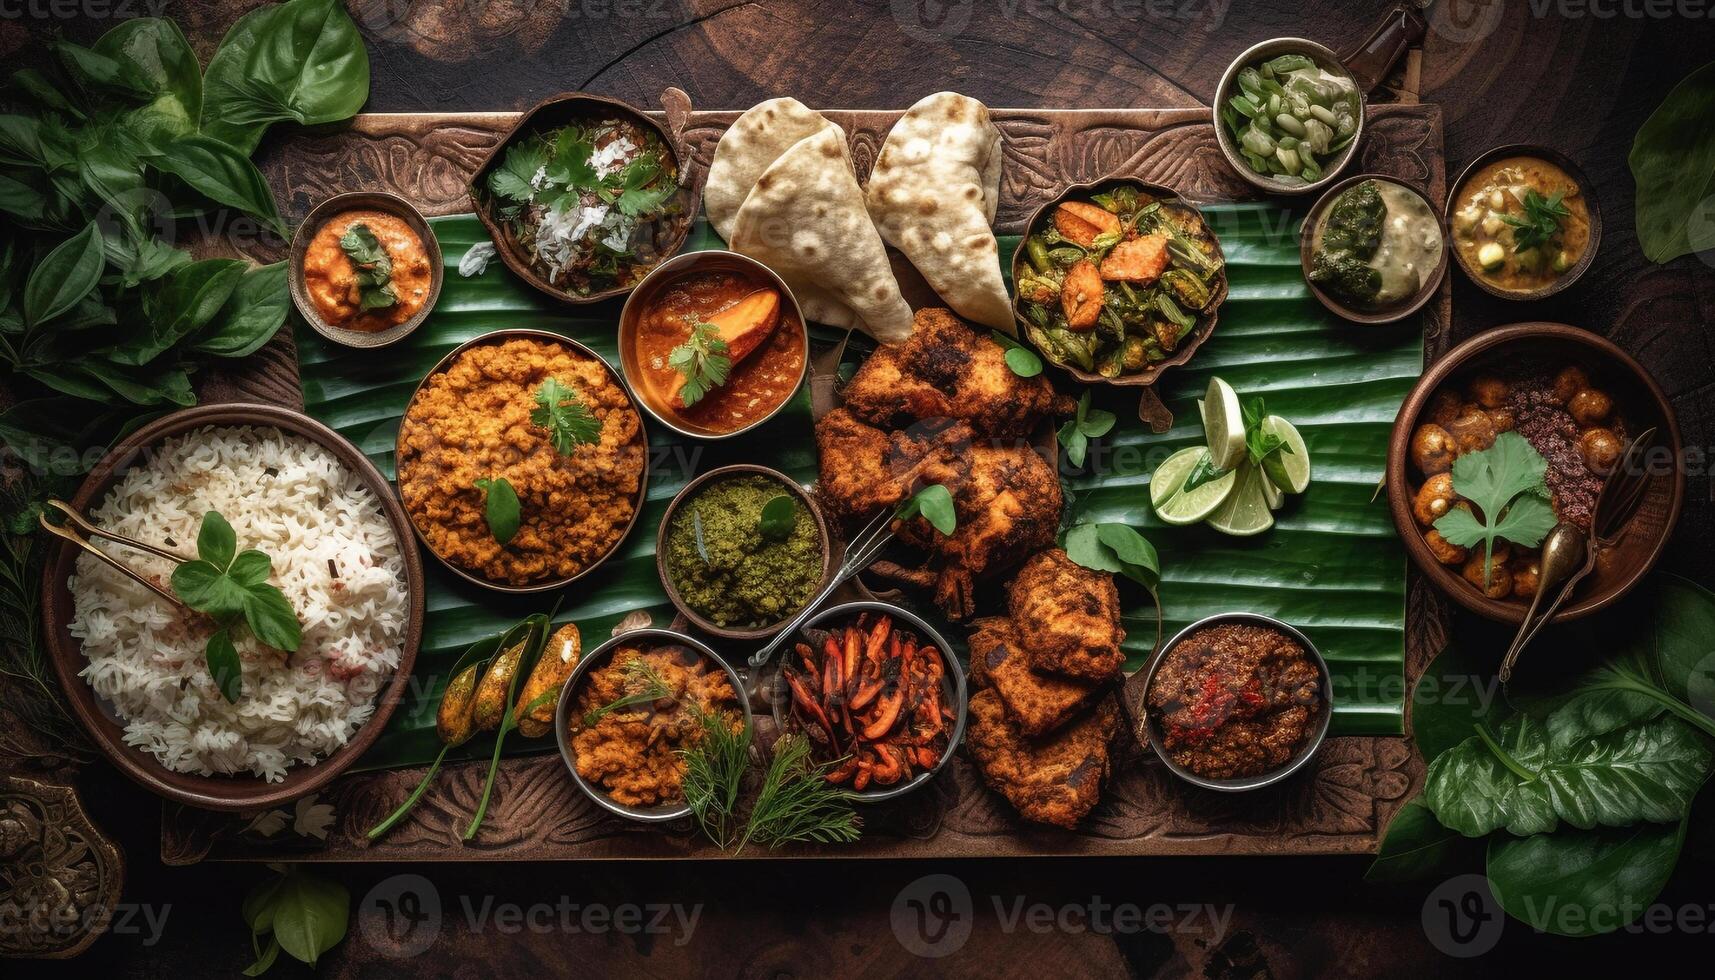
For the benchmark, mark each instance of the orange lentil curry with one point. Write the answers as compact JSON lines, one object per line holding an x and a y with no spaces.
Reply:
{"x":330,"y":276}
{"x":472,"y":422}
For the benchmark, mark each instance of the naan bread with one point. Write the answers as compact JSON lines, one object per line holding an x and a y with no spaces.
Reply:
{"x":933,"y":196}
{"x":806,"y":220}
{"x":754,"y":140}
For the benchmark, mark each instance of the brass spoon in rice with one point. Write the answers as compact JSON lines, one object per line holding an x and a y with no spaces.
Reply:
{"x":81,"y":524}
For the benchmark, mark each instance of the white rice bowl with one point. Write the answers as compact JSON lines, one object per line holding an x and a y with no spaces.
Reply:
{"x":335,"y":557}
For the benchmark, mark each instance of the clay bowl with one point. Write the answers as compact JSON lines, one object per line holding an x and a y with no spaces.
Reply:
{"x":98,"y":718}
{"x":546,"y":585}
{"x":363,"y":201}
{"x":1585,"y":187}
{"x":1637,"y":399}
{"x":1328,"y":61}
{"x":664,"y":275}
{"x":668,"y":236}
{"x":952,"y":686}
{"x":1150,"y":407}
{"x":1392,"y":314}
{"x":598,"y":658}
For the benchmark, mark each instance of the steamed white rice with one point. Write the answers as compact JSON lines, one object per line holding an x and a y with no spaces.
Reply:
{"x":335,"y":558}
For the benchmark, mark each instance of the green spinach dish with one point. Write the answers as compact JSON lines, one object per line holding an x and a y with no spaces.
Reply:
{"x":1375,"y":245}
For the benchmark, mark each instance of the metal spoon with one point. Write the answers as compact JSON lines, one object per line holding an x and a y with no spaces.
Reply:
{"x":1566,"y":558}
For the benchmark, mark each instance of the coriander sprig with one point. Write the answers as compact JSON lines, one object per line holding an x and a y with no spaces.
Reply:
{"x":1541,"y":220}
{"x":1505,"y":482}
{"x":232,"y":587}
{"x":569,"y":422}
{"x":702,"y":360}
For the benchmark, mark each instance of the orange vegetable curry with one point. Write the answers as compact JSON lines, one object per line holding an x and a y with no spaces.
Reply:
{"x":332,"y":279}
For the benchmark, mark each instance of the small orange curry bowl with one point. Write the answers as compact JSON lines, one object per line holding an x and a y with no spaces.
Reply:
{"x":366,"y":269}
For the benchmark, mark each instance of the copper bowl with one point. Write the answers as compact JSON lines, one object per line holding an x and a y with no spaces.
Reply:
{"x":662,"y":812}
{"x":669,"y":234}
{"x":498,"y":336}
{"x":1150,"y":407}
{"x":220,"y":792}
{"x":1585,"y":188}
{"x":691,"y":489}
{"x":1306,"y":253}
{"x":1637,"y":399}
{"x":677,"y":267}
{"x":331,"y":208}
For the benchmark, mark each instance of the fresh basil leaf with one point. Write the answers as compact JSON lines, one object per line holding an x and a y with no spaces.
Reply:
{"x":1084,"y":546}
{"x":180,"y":305}
{"x":70,"y":379}
{"x":779,"y":517}
{"x":217,"y":542}
{"x":935,"y":504}
{"x":1075,"y":442}
{"x":271,"y":618}
{"x":302,"y":60}
{"x":1457,"y":692}
{"x":500,"y":508}
{"x":250,"y":568}
{"x":1137,"y":554}
{"x":224,"y":665}
{"x":21,"y":142}
{"x":1417,"y":846}
{"x":222,"y":174}
{"x":156,"y":52}
{"x":1583,"y":882}
{"x":253,"y":314}
{"x":100,"y":77}
{"x":311,"y":916}
{"x":22,"y":201}
{"x":64,"y":276}
{"x":1096,"y":422}
{"x":265,"y":957}
{"x":260,"y":904}
{"x":1673,"y":165}
{"x":205,"y":588}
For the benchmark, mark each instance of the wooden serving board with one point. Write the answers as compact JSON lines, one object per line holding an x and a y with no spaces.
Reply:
{"x":1342,"y":806}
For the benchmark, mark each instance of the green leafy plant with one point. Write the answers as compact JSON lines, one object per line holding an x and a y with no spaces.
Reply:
{"x":934,"y":503}
{"x":302,"y":61}
{"x":299,"y":912}
{"x":1505,"y":484}
{"x":374,"y":267}
{"x":1089,"y":423}
{"x":1540,"y":221}
{"x":1116,"y":548}
{"x":1673,"y":164}
{"x":795,"y":803}
{"x":569,"y":422}
{"x":701,"y":360}
{"x":40,"y":719}
{"x":1020,"y":359}
{"x":1259,"y":441}
{"x":500,"y":507}
{"x":232,"y":587}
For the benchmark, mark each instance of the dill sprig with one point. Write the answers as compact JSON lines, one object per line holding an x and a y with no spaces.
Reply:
{"x":33,"y":698}
{"x":795,"y":803}
{"x":642,"y":684}
{"x":714,"y":777}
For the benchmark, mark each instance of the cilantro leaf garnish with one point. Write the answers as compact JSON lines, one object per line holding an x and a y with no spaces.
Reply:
{"x":571,"y":166}
{"x":1505,"y":484}
{"x":513,"y":179}
{"x":569,"y":422}
{"x":631,"y":187}
{"x":231,"y":586}
{"x":1542,"y":217}
{"x":374,"y":267}
{"x":701,"y":360}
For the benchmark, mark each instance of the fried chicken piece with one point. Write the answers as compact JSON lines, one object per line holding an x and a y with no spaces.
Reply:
{"x":1037,"y":703}
{"x":1068,"y":617}
{"x":1056,"y":779}
{"x":864,"y":469}
{"x":949,"y":370}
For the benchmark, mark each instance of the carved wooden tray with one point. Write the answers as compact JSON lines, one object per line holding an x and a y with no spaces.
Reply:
{"x":1342,"y":807}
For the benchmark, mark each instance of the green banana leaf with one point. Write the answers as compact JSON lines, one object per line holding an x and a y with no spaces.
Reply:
{"x":1332,"y":566}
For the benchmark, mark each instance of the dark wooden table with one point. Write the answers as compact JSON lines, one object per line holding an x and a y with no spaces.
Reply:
{"x":1503,"y":72}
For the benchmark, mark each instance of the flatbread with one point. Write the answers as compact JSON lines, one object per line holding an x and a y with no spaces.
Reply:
{"x":805,"y":219}
{"x":933,"y":195}
{"x":754,"y":140}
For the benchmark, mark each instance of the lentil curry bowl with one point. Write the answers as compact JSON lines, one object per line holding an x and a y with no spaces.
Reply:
{"x":532,"y":416}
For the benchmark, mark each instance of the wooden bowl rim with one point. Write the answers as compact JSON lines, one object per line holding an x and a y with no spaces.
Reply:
{"x":312,"y":224}
{"x":499,"y":336}
{"x":1399,"y":487}
{"x":1586,"y":188}
{"x":689,"y":183}
{"x":1306,"y":249}
{"x":1325,"y":57}
{"x":823,"y":531}
{"x":223,"y":792}
{"x":1151,"y":375}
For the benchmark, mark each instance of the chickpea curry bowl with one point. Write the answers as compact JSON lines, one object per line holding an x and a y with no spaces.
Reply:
{"x":522,"y":460}
{"x":1493,"y":451}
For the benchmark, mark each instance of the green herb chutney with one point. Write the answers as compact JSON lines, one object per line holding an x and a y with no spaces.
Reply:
{"x":725,"y":569}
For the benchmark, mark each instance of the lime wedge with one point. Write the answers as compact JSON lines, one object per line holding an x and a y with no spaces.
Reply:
{"x":1245,"y":511}
{"x":1173,"y":503}
{"x":1223,"y":424}
{"x":1290,"y":471}
{"x":1274,"y":495}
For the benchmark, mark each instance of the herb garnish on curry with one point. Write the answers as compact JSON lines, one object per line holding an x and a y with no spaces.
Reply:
{"x":730,"y":566}
{"x":366,"y":270}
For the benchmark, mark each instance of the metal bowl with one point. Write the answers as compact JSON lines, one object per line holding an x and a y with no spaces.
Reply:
{"x":1393,"y":314}
{"x":697,"y":619}
{"x":713,"y":260}
{"x":234,"y":792}
{"x":664,"y":812}
{"x":1325,"y":59}
{"x":1585,"y":187}
{"x":498,"y":336}
{"x":368,"y":201}
{"x":1305,"y":753}
{"x":953,"y":684}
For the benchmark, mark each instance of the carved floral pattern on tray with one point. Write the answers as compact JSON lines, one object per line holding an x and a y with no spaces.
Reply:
{"x":1341,"y":805}
{"x":59,"y":877}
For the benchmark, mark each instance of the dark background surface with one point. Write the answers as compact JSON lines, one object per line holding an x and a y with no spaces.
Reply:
{"x":1513,"y":71}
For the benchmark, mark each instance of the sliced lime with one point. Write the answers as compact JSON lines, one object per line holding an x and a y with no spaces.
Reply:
{"x":1173,"y":502}
{"x":1290,"y":471}
{"x":1274,"y":495}
{"x":1223,"y":424}
{"x":1245,"y":511}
